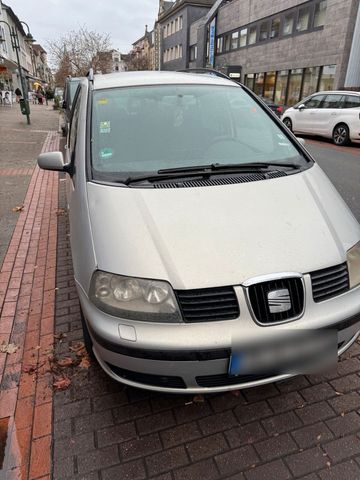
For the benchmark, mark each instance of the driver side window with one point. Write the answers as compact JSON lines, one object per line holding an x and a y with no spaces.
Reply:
{"x":314,"y":102}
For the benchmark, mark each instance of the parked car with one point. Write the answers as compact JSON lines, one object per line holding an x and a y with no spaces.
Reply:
{"x":333,"y":115}
{"x":70,"y":88}
{"x":276,"y":108}
{"x":210,"y":250}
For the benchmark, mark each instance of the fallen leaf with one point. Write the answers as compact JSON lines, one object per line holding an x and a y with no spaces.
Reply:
{"x":60,"y":336}
{"x":85,"y":362}
{"x":338,"y":393}
{"x":342,"y":414}
{"x":318,"y":437}
{"x":189,"y":403}
{"x":199,"y":399}
{"x":65,"y":362}
{"x":60,"y":211}
{"x":79,"y":349}
{"x":8,"y":348}
{"x":328,"y":464}
{"x":62,"y":383}
{"x":18,"y":208}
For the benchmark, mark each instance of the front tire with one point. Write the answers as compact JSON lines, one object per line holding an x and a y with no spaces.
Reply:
{"x":288,"y":123}
{"x":341,"y":135}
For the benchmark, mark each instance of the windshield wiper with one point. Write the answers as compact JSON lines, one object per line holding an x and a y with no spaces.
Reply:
{"x":205,"y":171}
{"x":228,"y":166}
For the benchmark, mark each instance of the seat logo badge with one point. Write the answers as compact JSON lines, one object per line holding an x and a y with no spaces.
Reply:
{"x":279,"y":301}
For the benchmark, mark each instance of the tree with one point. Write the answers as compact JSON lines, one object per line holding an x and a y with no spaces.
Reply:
{"x":137,"y":60}
{"x":77,"y":51}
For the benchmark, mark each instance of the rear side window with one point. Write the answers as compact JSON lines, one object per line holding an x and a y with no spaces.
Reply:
{"x":332,"y":101}
{"x":351,"y":101}
{"x":315,"y":102}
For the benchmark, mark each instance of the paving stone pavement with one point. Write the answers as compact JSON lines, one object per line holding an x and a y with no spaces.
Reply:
{"x":306,"y":427}
{"x":20,"y":144}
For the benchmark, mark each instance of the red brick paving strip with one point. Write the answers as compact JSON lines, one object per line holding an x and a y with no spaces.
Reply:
{"x":15,"y":172}
{"x":27,"y":294}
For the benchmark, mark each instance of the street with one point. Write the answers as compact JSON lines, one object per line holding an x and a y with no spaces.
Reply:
{"x":342,"y":165}
{"x":66,"y":420}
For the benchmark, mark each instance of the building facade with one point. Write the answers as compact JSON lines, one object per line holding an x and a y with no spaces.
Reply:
{"x":175,"y":23}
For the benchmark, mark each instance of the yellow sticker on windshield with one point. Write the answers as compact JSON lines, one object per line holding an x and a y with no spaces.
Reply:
{"x":103,"y":101}
{"x":105,"y":127}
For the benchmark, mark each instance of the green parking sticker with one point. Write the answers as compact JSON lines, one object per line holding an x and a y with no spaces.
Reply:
{"x":105,"y":127}
{"x":106,"y":153}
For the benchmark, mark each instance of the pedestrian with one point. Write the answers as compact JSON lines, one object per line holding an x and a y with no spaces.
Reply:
{"x":7,"y":98}
{"x":39,"y":95}
{"x":18,"y":95}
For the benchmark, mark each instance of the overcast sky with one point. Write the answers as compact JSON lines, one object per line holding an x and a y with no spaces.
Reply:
{"x":124,"y":20}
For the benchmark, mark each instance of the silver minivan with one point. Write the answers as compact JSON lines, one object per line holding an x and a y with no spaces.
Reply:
{"x":210,"y":250}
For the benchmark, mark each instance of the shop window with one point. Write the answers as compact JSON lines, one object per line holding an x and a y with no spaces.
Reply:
{"x":288,"y":24}
{"x":219,"y":44}
{"x":327,"y":77}
{"x":275,"y":28}
{"x":269,"y":85}
{"x":280,"y":87}
{"x":243,"y":35}
{"x":252,"y":35}
{"x":303,"y":19}
{"x":234,"y":40}
{"x":264,"y":31}
{"x":193,"y":53}
{"x":249,"y":80}
{"x":311,"y":78}
{"x":294,"y":86}
{"x":227,"y":43}
{"x":259,"y":83}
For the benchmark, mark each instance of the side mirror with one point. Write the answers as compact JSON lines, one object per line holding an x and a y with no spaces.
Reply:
{"x":52,"y":161}
{"x":301,"y":107}
{"x":301,"y":140}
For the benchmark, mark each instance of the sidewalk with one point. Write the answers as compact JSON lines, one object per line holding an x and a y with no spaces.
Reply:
{"x":27,"y":292}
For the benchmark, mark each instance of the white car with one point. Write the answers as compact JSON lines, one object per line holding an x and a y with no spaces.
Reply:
{"x":333,"y":115}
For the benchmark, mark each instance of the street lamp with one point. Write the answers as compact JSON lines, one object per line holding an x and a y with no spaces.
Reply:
{"x":16,"y":46}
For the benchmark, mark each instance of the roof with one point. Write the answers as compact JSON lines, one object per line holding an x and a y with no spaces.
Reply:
{"x":14,"y":18}
{"x":179,"y":4}
{"x":129,"y":79}
{"x":38,"y":48}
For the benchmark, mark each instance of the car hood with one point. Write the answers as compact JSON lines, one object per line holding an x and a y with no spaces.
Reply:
{"x":221,"y":235}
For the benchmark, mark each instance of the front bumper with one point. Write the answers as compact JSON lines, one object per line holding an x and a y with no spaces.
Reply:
{"x":194,"y":358}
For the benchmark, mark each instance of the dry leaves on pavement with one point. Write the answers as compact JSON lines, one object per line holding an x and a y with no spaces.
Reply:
{"x":8,"y":348}
{"x":18,"y":208}
{"x":62,"y":383}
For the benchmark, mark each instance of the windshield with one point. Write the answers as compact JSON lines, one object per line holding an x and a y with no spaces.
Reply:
{"x":146,"y":129}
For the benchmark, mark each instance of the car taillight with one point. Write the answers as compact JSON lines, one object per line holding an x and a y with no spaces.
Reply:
{"x":280,"y":109}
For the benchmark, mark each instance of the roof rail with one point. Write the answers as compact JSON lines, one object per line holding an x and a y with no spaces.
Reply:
{"x":90,"y":75}
{"x":208,"y":71}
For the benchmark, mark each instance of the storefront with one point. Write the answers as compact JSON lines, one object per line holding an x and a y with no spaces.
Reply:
{"x":287,"y":87}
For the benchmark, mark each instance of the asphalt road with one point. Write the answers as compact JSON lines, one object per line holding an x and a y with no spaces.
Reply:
{"x":342,"y":165}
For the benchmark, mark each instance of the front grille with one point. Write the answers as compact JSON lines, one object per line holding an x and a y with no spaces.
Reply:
{"x":330,"y":282}
{"x":208,"y":304}
{"x":148,"y":379}
{"x":258,"y":295}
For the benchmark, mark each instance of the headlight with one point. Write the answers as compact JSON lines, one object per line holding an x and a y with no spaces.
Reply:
{"x":353,"y":261}
{"x":134,"y":298}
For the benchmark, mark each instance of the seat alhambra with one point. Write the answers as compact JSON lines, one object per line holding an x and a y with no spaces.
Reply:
{"x":210,"y":250}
